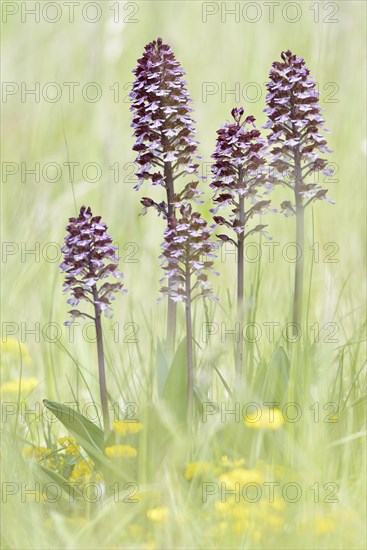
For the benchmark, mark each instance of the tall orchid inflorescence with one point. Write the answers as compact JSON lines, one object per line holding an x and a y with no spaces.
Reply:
{"x":163,"y":127}
{"x":239,"y":180}
{"x":295,"y":141}
{"x":188,"y":254}
{"x":89,"y":259}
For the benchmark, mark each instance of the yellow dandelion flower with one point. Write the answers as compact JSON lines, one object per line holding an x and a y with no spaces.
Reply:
{"x":69,"y":445}
{"x":26,"y":385}
{"x":83,"y":472}
{"x":266,"y":419}
{"x":120,"y":451}
{"x":12,"y":348}
{"x":197,"y":469}
{"x":122,"y":427}
{"x":241,"y":476}
{"x":240,"y":527}
{"x":158,"y":515}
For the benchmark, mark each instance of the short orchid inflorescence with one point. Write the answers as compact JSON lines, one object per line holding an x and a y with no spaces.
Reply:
{"x":238,"y":174}
{"x":240,"y":182}
{"x":188,"y":254}
{"x":89,"y":259}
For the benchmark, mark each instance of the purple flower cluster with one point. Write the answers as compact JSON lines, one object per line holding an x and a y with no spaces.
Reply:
{"x":162,"y":123}
{"x":89,"y":257}
{"x":188,"y":255}
{"x":238,"y":172}
{"x":295,"y":121}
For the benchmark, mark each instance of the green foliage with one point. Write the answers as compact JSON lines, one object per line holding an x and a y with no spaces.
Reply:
{"x":175,"y":392}
{"x":88,"y":435}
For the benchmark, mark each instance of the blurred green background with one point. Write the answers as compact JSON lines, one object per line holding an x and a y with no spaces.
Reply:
{"x":228,"y":55}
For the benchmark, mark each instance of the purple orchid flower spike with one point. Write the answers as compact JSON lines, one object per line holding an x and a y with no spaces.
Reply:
{"x":188,"y":255}
{"x":296,"y":144}
{"x":89,"y":259}
{"x":162,"y":121}
{"x":240,"y":182}
{"x":164,"y":132}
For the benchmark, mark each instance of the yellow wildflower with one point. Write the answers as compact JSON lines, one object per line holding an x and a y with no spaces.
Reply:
{"x":12,"y":348}
{"x":197,"y":469}
{"x":122,"y":427}
{"x":36,"y":452}
{"x":240,"y":527}
{"x":242,"y":476}
{"x":26,"y":385}
{"x":82,"y":472}
{"x":157,"y":515}
{"x":266,"y":419}
{"x":120,"y":451}
{"x":69,"y":445}
{"x":278,"y":504}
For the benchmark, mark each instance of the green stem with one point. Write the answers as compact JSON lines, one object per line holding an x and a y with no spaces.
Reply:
{"x":300,"y":237}
{"x":171,"y":305}
{"x":101,"y":365}
{"x":190,"y":355}
{"x":240,"y":286}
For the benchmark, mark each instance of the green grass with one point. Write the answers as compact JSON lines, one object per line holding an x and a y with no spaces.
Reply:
{"x":306,"y":372}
